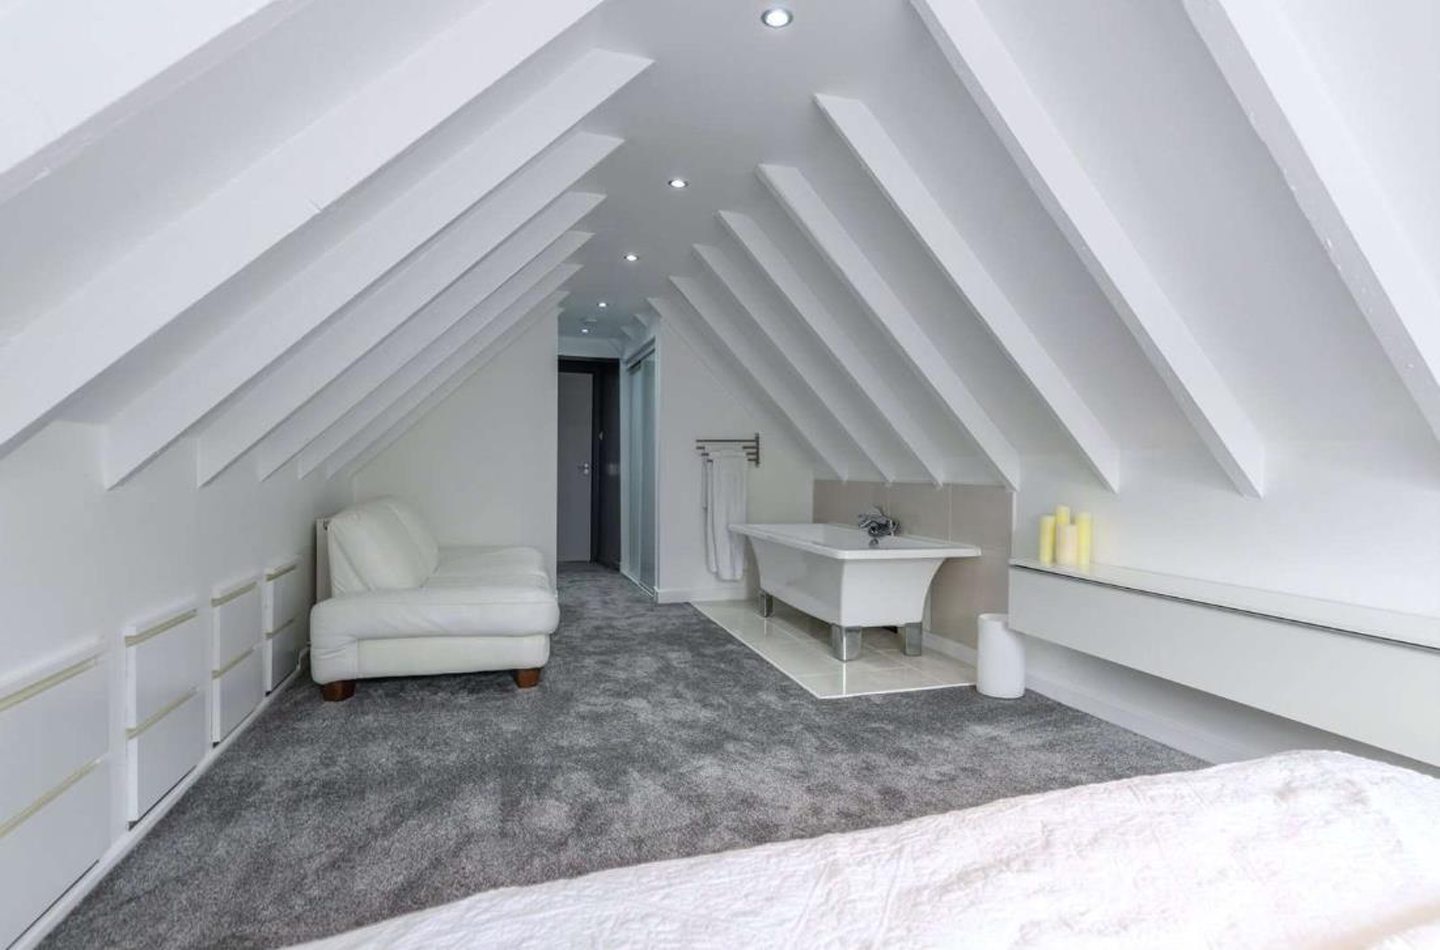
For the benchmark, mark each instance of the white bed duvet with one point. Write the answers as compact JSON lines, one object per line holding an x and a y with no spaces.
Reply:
{"x":1297,"y":850}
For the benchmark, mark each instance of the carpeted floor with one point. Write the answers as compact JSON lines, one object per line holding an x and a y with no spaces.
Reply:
{"x":653,"y":735}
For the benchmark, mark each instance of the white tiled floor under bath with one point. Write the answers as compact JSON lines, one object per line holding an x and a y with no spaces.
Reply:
{"x":799,"y":646}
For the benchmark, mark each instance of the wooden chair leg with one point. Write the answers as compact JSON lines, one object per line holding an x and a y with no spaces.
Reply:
{"x":525,"y":679}
{"x":338,"y":691}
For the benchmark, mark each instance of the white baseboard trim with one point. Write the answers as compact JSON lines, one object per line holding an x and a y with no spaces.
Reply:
{"x":699,"y":595}
{"x":951,"y":648}
{"x":127,"y":841}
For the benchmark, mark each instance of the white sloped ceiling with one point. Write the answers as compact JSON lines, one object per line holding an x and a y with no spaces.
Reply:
{"x":945,"y":240}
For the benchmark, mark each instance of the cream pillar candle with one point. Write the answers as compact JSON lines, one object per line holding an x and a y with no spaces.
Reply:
{"x":1062,"y":517}
{"x":1085,"y":525}
{"x":1067,"y":545}
{"x":1047,"y":539}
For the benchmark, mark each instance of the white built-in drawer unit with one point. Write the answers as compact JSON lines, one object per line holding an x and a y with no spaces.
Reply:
{"x":236,"y":684}
{"x":284,"y":605}
{"x":166,"y":676}
{"x":54,"y":797}
{"x":1367,"y":674}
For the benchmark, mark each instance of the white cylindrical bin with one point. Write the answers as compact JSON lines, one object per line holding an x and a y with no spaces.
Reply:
{"x":1000,"y":668}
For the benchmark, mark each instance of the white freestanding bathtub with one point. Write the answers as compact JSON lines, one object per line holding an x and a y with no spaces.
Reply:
{"x":833,"y":572}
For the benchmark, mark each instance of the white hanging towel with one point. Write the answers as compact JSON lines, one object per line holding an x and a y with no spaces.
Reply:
{"x":723,"y":501}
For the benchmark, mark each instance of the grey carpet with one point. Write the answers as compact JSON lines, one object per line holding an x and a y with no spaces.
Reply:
{"x":653,"y":735}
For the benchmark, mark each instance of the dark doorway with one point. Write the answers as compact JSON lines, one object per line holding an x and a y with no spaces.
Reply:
{"x":604,"y":461}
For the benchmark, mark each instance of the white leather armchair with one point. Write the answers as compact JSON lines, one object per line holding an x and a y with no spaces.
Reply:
{"x":401,"y":605}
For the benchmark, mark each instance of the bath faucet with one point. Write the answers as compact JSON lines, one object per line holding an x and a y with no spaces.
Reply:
{"x":878,"y":525}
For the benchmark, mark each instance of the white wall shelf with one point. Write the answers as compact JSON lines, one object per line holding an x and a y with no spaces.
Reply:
{"x":1368,"y":675}
{"x":1335,"y":616}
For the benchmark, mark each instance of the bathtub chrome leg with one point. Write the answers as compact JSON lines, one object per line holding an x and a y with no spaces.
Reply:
{"x":766,"y":604}
{"x":845,"y":642}
{"x":911,"y":636}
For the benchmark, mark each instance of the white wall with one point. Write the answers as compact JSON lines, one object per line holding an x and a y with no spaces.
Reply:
{"x":692,"y":403}
{"x":77,"y":564}
{"x":1343,"y":522}
{"x":481,"y":466}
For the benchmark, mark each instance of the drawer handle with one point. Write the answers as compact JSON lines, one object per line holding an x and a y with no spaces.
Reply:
{"x":135,"y":639}
{"x":40,"y":686}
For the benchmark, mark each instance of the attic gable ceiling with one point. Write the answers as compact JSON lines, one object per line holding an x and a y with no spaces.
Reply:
{"x":940,"y":240}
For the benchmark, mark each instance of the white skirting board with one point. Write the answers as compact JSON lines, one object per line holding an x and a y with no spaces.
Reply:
{"x":65,"y":902}
{"x":703,"y":595}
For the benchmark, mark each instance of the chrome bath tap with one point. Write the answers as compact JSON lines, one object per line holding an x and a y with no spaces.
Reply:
{"x":878,"y":525}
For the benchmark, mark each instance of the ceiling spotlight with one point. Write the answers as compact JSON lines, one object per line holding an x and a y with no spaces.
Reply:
{"x":777,"y":18}
{"x":602,"y":305}
{"x":584,"y":329}
{"x":678,"y":183}
{"x":632,"y":257}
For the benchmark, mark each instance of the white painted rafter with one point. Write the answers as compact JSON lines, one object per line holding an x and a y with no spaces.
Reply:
{"x":816,"y":219}
{"x":851,"y":357}
{"x":982,"y":62}
{"x":1284,"y":96}
{"x":62,"y":88}
{"x":795,"y":352}
{"x":145,"y":289}
{"x":475,"y":293}
{"x":522,"y":294}
{"x":801,"y":413}
{"x":737,"y":381}
{"x":281,"y":318}
{"x":444,"y":386}
{"x":325,"y":354}
{"x":412,"y":406}
{"x":887,"y":165}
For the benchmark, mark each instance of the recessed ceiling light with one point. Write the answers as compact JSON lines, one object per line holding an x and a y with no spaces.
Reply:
{"x":632,"y":257}
{"x":584,"y":329}
{"x":678,"y":183}
{"x":602,"y":305}
{"x":777,"y":17}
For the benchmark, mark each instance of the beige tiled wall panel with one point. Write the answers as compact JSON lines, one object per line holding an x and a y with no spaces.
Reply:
{"x":976,"y":514}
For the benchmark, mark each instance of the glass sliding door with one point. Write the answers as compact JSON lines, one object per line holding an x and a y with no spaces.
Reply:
{"x":638,"y":557}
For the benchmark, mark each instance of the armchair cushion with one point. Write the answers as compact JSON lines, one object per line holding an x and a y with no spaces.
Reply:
{"x":380,"y":545}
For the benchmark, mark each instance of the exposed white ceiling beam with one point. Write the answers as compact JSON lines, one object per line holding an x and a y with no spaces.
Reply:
{"x":1284,"y":96}
{"x":737,"y":381}
{"x":887,"y":165}
{"x":521,"y":295}
{"x":444,"y":386}
{"x":62,"y":88}
{"x":842,"y":348}
{"x":281,"y":318}
{"x":169,"y":271}
{"x":795,"y":352}
{"x":344,"y":339}
{"x":475,"y":293}
{"x":981,"y":60}
{"x":416,"y":402}
{"x":839,"y":248}
{"x":806,"y":421}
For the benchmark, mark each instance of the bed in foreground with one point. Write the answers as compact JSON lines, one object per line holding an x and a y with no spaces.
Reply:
{"x":1306,"y":849}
